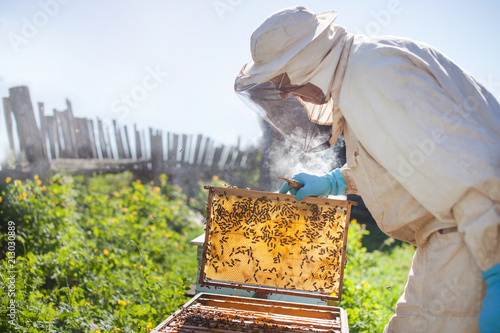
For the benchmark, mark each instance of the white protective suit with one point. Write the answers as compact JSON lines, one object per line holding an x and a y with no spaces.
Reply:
{"x":423,"y":146}
{"x":423,"y":149}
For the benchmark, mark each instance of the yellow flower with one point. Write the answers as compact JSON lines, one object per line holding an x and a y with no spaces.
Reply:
{"x":38,"y":182}
{"x":150,"y":216}
{"x":117,"y":329}
{"x":354,"y":221}
{"x":122,"y":303}
{"x":74,"y":288}
{"x":142,"y":267}
{"x":135,"y":197}
{"x":138,"y":181}
{"x":360,"y":244}
{"x":44,"y":188}
{"x":181,"y":248}
{"x":215,"y":178}
{"x":36,"y":177}
{"x":156,"y":189}
{"x":98,"y":331}
{"x":135,"y":265}
{"x":1,"y":198}
{"x":25,"y":195}
{"x":87,"y":303}
{"x":106,"y":252}
{"x":8,"y":179}
{"x":149,"y":325}
{"x":363,"y":305}
{"x":376,"y":312}
{"x":152,"y":182}
{"x":19,"y":182}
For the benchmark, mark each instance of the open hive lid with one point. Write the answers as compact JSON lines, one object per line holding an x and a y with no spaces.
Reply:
{"x":271,"y":243}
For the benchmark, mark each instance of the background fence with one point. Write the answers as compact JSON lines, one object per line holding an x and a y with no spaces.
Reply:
{"x":63,"y":142}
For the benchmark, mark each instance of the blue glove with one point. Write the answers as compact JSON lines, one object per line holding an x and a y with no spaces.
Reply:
{"x":489,"y":318}
{"x":330,"y":183}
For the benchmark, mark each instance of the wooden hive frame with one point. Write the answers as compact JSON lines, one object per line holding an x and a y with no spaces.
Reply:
{"x":279,"y":281}
{"x":221,"y":313}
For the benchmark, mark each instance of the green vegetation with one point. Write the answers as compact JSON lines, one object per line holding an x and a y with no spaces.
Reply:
{"x":373,"y":281}
{"x":108,"y":254}
{"x":98,"y":254}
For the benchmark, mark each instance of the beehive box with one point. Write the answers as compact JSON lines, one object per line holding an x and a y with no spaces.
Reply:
{"x":268,"y":243}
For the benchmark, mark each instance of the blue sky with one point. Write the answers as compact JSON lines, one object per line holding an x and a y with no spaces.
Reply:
{"x":171,"y":65}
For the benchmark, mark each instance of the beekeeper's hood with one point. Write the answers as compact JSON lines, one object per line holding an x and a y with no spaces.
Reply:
{"x":308,"y":50}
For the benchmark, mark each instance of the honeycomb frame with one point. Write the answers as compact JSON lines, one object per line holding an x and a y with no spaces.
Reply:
{"x":271,"y":243}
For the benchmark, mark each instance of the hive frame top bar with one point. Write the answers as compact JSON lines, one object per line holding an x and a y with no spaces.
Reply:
{"x":210,"y":275}
{"x":279,"y":196}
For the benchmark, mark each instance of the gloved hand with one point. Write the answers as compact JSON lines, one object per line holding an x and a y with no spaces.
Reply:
{"x":330,"y":183}
{"x":489,"y":318}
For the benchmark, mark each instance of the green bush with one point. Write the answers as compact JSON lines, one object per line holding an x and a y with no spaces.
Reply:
{"x":102,"y":254}
{"x":199,"y":201}
{"x":373,"y":281}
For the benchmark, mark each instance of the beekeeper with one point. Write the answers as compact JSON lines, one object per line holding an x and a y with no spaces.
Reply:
{"x":423,"y":150}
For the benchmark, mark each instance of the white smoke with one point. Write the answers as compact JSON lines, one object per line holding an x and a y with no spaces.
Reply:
{"x":282,"y":159}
